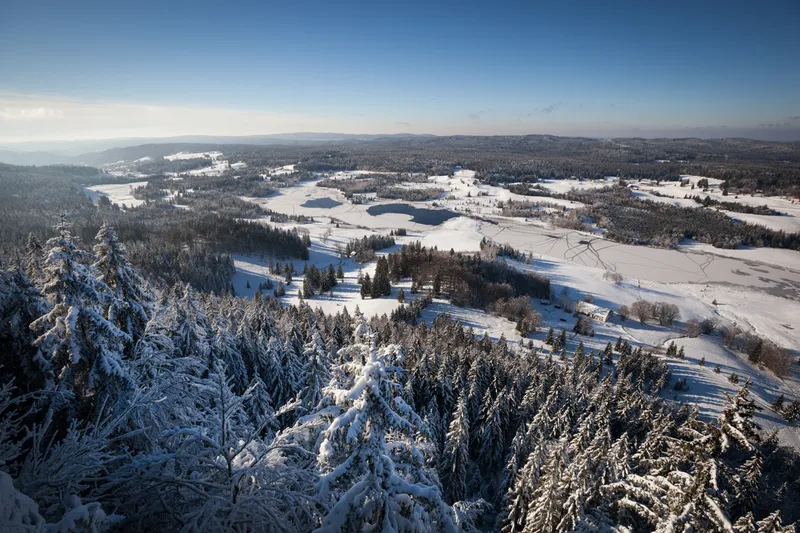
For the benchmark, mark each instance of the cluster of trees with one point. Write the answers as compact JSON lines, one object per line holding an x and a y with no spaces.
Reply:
{"x":363,"y":249}
{"x":470,"y":281}
{"x":759,"y":350}
{"x":664,"y":313}
{"x":131,"y":408}
{"x":378,"y":286}
{"x":170,"y":264}
{"x":789,"y":410}
{"x":491,"y":249}
{"x":736,"y":207}
{"x":518,"y":309}
{"x":467,"y":280}
{"x":674,"y":351}
{"x":410,"y":194}
{"x":318,"y":281}
{"x":556,"y":343}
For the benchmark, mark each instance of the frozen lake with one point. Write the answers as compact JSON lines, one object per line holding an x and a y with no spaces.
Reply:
{"x":419,"y":215}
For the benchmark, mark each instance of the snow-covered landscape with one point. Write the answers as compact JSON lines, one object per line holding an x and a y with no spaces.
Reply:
{"x":756,"y":290}
{"x":400,"y":267}
{"x":675,"y":327}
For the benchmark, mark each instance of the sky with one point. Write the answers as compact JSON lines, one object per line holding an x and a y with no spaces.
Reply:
{"x":98,"y":70}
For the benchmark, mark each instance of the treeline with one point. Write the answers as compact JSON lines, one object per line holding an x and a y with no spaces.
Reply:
{"x":735,"y":207}
{"x":169,"y":265}
{"x":410,"y":194}
{"x":126,"y":408}
{"x":384,"y":186}
{"x":363,"y":249}
{"x":771,"y":179}
{"x":633,"y":220}
{"x":177,"y":238}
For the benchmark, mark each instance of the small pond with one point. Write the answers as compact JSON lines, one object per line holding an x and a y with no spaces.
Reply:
{"x":419,"y":215}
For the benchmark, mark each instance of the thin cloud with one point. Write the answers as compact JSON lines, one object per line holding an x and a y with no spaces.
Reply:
{"x":25,"y":114}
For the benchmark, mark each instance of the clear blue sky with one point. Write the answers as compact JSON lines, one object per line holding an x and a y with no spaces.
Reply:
{"x":575,"y":68}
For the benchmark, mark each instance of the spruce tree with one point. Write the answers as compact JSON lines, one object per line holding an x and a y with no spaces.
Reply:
{"x":134,"y":299}
{"x":455,"y":457}
{"x":381,"y":286}
{"x":358,"y":464}
{"x":78,"y":346}
{"x":34,"y":257}
{"x":366,"y":287}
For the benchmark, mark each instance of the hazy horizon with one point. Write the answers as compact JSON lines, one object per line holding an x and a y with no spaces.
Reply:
{"x":106,"y":71}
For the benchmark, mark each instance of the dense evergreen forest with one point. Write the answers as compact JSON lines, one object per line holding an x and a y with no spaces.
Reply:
{"x":125,"y":407}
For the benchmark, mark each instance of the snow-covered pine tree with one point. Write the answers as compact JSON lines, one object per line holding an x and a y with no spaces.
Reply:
{"x":492,"y":439}
{"x":211,"y":472}
{"x":455,"y":457}
{"x":258,"y":405}
{"x":547,"y":505}
{"x":774,"y":524}
{"x":224,"y":347}
{"x":371,"y":469}
{"x":34,"y":257}
{"x":134,"y":299}
{"x":314,"y":377}
{"x":78,"y":346}
{"x":737,"y":422}
{"x":191,"y":327}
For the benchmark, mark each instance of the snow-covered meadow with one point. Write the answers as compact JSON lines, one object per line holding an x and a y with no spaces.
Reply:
{"x":117,"y":193}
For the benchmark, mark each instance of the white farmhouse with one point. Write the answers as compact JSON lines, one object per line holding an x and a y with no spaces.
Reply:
{"x":601,"y":314}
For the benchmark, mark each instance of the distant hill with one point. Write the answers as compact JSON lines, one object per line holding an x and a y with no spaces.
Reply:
{"x":628,"y":150}
{"x":87,"y":151}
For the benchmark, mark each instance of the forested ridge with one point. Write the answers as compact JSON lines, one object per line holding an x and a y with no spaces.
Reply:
{"x":129,"y":408}
{"x":746,"y":165}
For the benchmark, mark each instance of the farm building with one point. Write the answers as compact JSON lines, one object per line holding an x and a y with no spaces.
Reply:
{"x":601,"y":314}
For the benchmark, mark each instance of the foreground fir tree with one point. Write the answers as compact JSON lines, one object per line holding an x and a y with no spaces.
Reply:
{"x":78,"y":347}
{"x":214,"y":473}
{"x":371,"y":470}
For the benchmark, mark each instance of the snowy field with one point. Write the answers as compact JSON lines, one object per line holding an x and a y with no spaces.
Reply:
{"x":117,"y":193}
{"x":193,"y":155}
{"x":756,"y":289}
